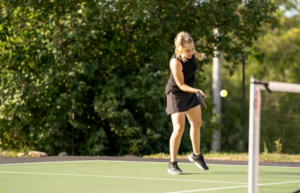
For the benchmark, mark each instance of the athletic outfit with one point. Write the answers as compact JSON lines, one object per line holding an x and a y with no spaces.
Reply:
{"x":177,"y":100}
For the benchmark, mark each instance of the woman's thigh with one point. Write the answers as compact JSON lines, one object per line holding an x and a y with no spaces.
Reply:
{"x":194,"y":115}
{"x":178,"y":120}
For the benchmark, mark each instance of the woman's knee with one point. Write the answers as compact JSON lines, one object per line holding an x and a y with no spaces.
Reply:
{"x":197,"y":124}
{"x":178,"y":129}
{"x":200,"y":123}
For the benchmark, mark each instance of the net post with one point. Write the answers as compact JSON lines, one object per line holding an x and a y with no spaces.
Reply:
{"x":243,"y":119}
{"x":254,"y":132}
{"x":257,"y":136}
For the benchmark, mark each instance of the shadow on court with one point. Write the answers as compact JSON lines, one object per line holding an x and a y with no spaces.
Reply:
{"x":229,"y":172}
{"x":279,"y":173}
{"x":191,"y":174}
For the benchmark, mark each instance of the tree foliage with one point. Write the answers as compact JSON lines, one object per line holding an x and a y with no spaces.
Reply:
{"x":278,"y":60}
{"x":100,"y":67}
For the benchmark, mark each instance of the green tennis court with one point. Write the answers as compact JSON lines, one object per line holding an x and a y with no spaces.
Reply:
{"x":134,"y":177}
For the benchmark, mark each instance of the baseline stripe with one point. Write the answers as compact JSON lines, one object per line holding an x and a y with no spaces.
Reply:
{"x":100,"y":176}
{"x":70,"y":161}
{"x":201,"y":190}
{"x":279,"y":183}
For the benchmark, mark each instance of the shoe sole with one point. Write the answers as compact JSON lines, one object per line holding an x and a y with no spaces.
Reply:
{"x":199,"y":166}
{"x":174,"y":172}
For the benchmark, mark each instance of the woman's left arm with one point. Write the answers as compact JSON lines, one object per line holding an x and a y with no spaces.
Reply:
{"x":199,"y":56}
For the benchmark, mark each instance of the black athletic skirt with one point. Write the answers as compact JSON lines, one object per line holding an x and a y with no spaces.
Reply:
{"x":180,"y":102}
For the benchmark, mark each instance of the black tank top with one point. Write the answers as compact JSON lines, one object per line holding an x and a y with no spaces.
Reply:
{"x":189,"y":69}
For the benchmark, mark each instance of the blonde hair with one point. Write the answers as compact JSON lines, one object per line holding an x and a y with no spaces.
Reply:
{"x":181,"y":38}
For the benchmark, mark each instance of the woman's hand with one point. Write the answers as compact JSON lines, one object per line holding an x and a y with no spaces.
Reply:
{"x":201,"y":92}
{"x":203,"y":56}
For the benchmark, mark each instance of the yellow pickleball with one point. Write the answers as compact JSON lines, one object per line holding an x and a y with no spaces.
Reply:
{"x":223,"y":93}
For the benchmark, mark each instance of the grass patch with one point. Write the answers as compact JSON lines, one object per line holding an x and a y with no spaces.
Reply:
{"x":7,"y":153}
{"x":264,"y":157}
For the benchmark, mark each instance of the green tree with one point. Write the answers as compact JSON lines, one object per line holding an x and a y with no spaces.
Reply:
{"x":276,"y":60}
{"x":107,"y":63}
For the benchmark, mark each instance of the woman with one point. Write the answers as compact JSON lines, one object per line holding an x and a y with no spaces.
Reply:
{"x":181,"y":100}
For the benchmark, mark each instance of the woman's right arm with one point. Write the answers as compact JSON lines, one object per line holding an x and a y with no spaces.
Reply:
{"x":176,"y":68}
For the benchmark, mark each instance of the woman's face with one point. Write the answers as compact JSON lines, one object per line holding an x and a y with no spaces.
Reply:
{"x":188,"y":50}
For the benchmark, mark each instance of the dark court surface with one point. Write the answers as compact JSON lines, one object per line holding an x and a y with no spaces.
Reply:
{"x":132,"y":158}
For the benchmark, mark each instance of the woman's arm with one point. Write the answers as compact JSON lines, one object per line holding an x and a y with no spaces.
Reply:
{"x":176,"y":68}
{"x":199,"y":56}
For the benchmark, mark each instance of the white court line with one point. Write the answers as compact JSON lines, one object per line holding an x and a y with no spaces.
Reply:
{"x":166,"y":162}
{"x":201,"y":190}
{"x":140,"y":178}
{"x":133,"y":162}
{"x":54,"y":162}
{"x":278,"y":183}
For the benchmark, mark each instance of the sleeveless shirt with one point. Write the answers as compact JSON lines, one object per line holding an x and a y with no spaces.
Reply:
{"x":177,"y":100}
{"x":189,"y":68}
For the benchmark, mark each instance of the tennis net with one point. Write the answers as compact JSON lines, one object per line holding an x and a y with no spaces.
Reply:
{"x":274,"y":136}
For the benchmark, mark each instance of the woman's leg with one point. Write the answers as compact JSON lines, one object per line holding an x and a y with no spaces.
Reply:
{"x":194,"y":116}
{"x":178,"y":120}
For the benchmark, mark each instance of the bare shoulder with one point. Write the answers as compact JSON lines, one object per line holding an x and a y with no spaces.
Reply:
{"x":175,"y":64}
